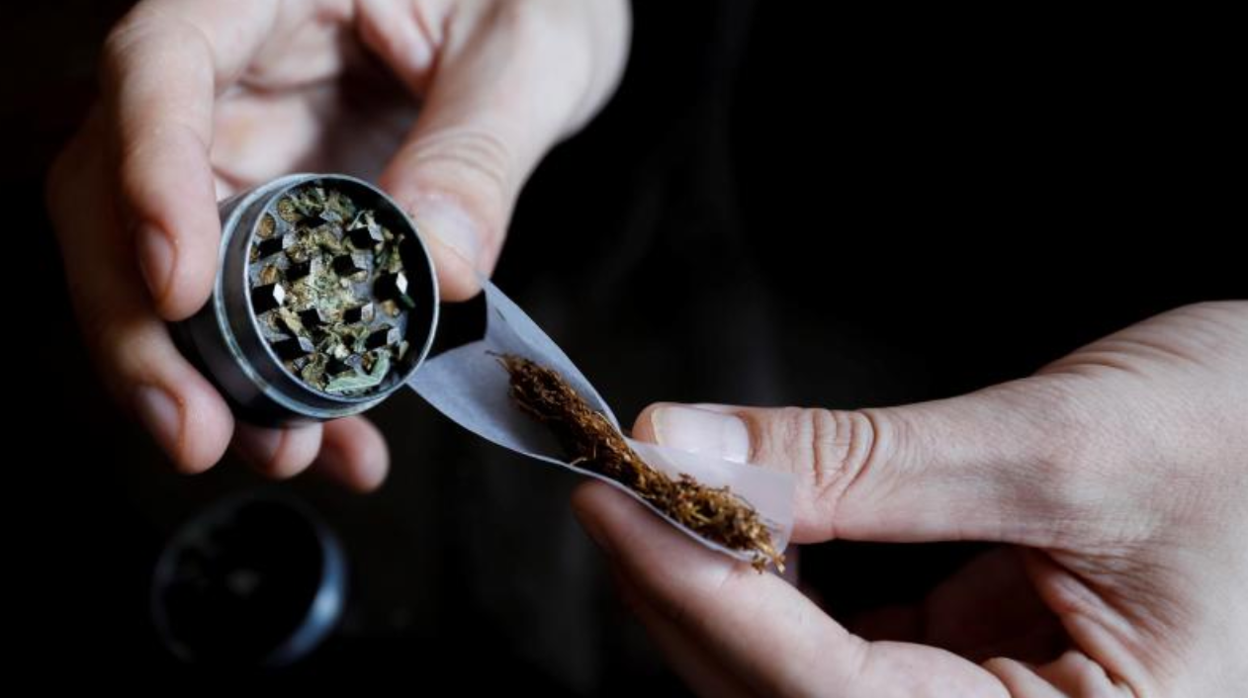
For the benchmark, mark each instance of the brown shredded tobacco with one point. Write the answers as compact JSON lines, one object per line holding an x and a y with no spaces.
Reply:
{"x":595,"y":444}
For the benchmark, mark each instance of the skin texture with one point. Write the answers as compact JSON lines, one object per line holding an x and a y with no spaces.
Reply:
{"x":450,"y":105}
{"x":1116,"y":480}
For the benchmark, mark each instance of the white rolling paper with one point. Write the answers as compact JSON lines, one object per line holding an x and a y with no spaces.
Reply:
{"x":470,"y":386}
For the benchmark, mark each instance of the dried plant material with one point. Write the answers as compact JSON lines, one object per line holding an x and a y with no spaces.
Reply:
{"x":269,"y":275}
{"x":266,"y":226}
{"x":593,"y":443}
{"x":355,"y":382}
{"x":319,"y":263}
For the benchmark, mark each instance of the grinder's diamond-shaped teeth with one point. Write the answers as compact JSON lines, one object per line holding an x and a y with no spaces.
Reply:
{"x":267,"y":297}
{"x":315,"y":317}
{"x":283,"y":323}
{"x":351,"y":264}
{"x":383,"y":337}
{"x":297,"y":364}
{"x":299,"y":270}
{"x":361,"y":313}
{"x":409,"y":249}
{"x":365,"y":237}
{"x":293,"y":347}
{"x":337,"y":367}
{"x":271,"y":246}
{"x":391,"y":287}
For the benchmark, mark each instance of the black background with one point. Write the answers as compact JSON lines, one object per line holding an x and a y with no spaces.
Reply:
{"x":782,"y":205}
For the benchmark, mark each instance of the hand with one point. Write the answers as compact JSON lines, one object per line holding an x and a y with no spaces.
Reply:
{"x":201,"y":98}
{"x":1117,"y":477}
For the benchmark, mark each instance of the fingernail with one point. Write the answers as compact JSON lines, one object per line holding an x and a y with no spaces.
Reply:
{"x":704,"y":432}
{"x":448,"y":224}
{"x":155,"y":259}
{"x":159,"y":413}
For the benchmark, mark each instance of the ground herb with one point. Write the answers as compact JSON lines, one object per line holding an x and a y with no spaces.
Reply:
{"x":593,"y":443}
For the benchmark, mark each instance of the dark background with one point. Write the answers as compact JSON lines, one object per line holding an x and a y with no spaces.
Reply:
{"x":781,"y":206}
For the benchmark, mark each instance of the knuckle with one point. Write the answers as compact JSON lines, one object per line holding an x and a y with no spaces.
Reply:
{"x":481,"y":157}
{"x":830,"y":450}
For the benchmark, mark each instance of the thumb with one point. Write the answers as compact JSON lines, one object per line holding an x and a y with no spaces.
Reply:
{"x":1001,"y":464}
{"x":510,"y":80}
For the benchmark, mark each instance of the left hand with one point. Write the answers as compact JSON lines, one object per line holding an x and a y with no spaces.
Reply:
{"x":450,"y":105}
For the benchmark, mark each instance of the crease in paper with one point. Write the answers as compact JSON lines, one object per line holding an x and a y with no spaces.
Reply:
{"x":471,"y":387}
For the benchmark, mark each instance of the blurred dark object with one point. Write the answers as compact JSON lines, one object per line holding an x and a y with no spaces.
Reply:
{"x":253,"y":581}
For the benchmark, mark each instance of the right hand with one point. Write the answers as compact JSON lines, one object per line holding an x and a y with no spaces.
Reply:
{"x":202,"y":98}
{"x":1117,"y":478}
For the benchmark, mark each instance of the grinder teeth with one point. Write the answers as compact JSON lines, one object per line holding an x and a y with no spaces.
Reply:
{"x":319,"y":271}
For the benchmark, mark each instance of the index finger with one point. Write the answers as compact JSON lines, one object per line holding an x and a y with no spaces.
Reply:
{"x":776,"y":639}
{"x":163,"y":67}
